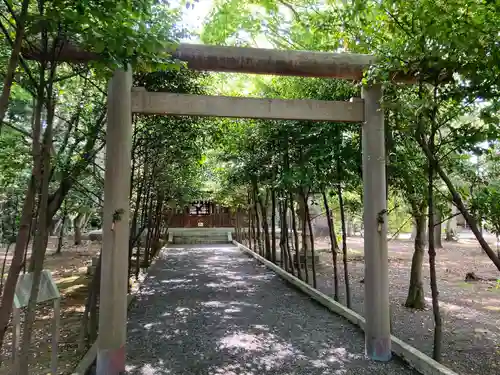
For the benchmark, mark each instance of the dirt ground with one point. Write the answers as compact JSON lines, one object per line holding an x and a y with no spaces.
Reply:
{"x":470,"y":311}
{"x":69,"y":273}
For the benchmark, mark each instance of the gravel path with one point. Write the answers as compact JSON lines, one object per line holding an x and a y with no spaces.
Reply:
{"x":214,"y":311}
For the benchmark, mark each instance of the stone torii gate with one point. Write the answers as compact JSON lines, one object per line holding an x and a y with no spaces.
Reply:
{"x":123,"y":100}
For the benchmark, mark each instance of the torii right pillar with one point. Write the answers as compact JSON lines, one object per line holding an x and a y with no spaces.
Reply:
{"x":377,"y":312}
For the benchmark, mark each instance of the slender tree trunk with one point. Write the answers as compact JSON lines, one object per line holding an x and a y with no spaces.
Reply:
{"x":344,"y":247}
{"x":238,"y":225}
{"x":311,"y":238}
{"x":265,"y":225}
{"x":3,"y":266}
{"x":156,"y":237}
{"x":333,"y":246}
{"x":13,"y":60}
{"x":451,"y":225}
{"x":257,"y":218}
{"x":135,"y":216}
{"x":250,"y":224}
{"x":283,"y":258}
{"x":296,"y":238}
{"x":436,"y":354}
{"x":273,"y":226}
{"x":286,"y":245}
{"x":416,"y":297}
{"x":305,"y":244}
{"x":437,"y":229}
{"x":17,"y":259}
{"x":40,"y":242}
{"x":253,"y":239}
{"x":93,"y":309}
{"x":457,"y":200}
{"x":150,"y":232}
{"x":144,"y":212}
{"x":61,"y":233}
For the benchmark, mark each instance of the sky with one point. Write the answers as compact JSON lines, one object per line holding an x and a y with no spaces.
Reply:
{"x":193,"y":17}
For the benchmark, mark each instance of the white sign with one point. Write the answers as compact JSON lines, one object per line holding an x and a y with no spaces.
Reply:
{"x":48,"y":292}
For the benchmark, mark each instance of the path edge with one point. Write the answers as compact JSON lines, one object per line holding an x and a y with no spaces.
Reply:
{"x":409,"y":354}
{"x":90,"y":356}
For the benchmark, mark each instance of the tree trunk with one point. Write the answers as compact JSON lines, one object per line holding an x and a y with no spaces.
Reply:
{"x":451,"y":225}
{"x":265,"y":226}
{"x":17,"y":259}
{"x":149,"y":233}
{"x":333,"y":247}
{"x":438,"y":230}
{"x":88,"y":328}
{"x":283,"y":235}
{"x":257,"y":219}
{"x":296,"y":238}
{"x":344,"y":247}
{"x":304,"y":227}
{"x":250,"y":225}
{"x":436,"y":354}
{"x":54,"y":227}
{"x":77,"y":222}
{"x":457,"y":200}
{"x":61,"y":233}
{"x":238,"y":225}
{"x":273,"y":226}
{"x":13,"y":60}
{"x":40,"y":242}
{"x":93,"y":308}
{"x":6,"y":254}
{"x":135,"y":216}
{"x":349,"y":228}
{"x":311,"y":238}
{"x":416,"y":297}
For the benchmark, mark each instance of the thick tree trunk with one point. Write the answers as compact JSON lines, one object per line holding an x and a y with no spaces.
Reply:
{"x":333,"y":246}
{"x":344,"y":246}
{"x":416,"y":297}
{"x":77,"y":222}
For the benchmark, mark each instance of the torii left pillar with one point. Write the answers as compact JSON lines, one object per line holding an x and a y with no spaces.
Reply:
{"x":116,"y":212}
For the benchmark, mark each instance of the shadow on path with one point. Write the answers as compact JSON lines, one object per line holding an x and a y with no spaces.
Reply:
{"x":214,"y":311}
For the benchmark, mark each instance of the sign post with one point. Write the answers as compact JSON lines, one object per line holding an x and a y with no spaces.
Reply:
{"x":48,"y":292}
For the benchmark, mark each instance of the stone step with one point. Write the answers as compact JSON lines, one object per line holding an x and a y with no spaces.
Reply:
{"x":200,"y":239}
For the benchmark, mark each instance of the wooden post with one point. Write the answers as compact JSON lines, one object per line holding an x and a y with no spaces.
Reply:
{"x":377,"y":312}
{"x":114,"y":274}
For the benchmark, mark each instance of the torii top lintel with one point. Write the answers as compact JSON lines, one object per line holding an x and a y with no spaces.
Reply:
{"x":346,"y":66}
